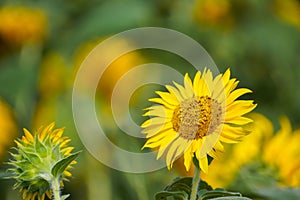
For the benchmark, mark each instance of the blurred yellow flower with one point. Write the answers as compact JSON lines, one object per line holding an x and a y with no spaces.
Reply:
{"x":21,"y":25}
{"x":288,"y":11}
{"x":213,"y":13}
{"x":282,"y":153}
{"x":193,"y":120}
{"x":239,"y":154}
{"x":8,"y":127}
{"x":279,"y":152}
{"x":116,"y":69}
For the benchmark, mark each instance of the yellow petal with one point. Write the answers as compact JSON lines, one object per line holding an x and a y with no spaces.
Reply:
{"x":239,"y":121}
{"x":188,"y":158}
{"x":208,"y":79}
{"x":235,"y":130}
{"x":203,"y":162}
{"x":46,"y":130}
{"x":153,"y":130}
{"x":161,"y":101}
{"x":228,"y":140}
{"x":226,"y":76}
{"x":218,"y":88}
{"x":64,"y":143}
{"x":236,"y":94}
{"x":188,"y":86}
{"x":159,"y":111}
{"x":218,"y":146}
{"x":182,"y":91}
{"x":230,"y":86}
{"x":172,"y":152}
{"x":196,"y":83}
{"x":166,"y":96}
{"x":203,"y":89}
{"x":160,"y":136}
{"x":239,"y":108}
{"x":28,"y":135}
{"x":175,"y":92}
{"x":163,"y":142}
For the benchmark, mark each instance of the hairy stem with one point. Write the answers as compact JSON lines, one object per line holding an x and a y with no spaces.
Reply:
{"x":195,"y":184}
{"x":55,"y":185}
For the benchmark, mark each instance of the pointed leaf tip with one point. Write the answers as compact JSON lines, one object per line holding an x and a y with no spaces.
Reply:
{"x":61,"y":165}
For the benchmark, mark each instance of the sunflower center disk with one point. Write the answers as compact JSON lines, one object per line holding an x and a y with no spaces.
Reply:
{"x":197,"y":117}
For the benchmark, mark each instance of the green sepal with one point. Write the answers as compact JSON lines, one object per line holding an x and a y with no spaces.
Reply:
{"x":56,"y":152}
{"x":44,"y":187}
{"x":26,"y":175}
{"x":38,"y":185}
{"x":40,"y":147}
{"x":62,"y":164}
{"x":28,"y":149}
{"x":32,"y":157}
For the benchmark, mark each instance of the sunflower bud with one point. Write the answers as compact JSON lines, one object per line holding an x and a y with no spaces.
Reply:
{"x":41,"y":161}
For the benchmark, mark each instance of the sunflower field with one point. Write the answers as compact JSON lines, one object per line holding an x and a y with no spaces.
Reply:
{"x":142,"y":100}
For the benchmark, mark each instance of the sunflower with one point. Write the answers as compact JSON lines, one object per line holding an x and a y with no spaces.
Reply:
{"x":264,"y":146}
{"x":286,"y":163}
{"x":192,"y":120}
{"x":237,"y":156}
{"x":35,"y":158}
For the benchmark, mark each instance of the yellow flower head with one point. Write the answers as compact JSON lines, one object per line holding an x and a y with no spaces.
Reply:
{"x":193,"y":120}
{"x":20,"y":25}
{"x":282,"y":154}
{"x":240,"y":154}
{"x":39,"y":159}
{"x":279,"y":152}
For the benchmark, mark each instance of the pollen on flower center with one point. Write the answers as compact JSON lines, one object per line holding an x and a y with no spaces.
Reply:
{"x":197,"y":117}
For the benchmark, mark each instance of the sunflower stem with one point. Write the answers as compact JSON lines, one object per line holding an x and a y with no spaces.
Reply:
{"x":55,"y":185}
{"x":195,"y":184}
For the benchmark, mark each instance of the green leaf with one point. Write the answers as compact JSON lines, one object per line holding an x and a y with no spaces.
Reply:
{"x":230,"y":198}
{"x":180,"y":184}
{"x":185,"y":184}
{"x":61,"y":165}
{"x":256,"y":180}
{"x":180,"y":188}
{"x":204,"y":194}
{"x":65,"y":196}
{"x":170,"y":195}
